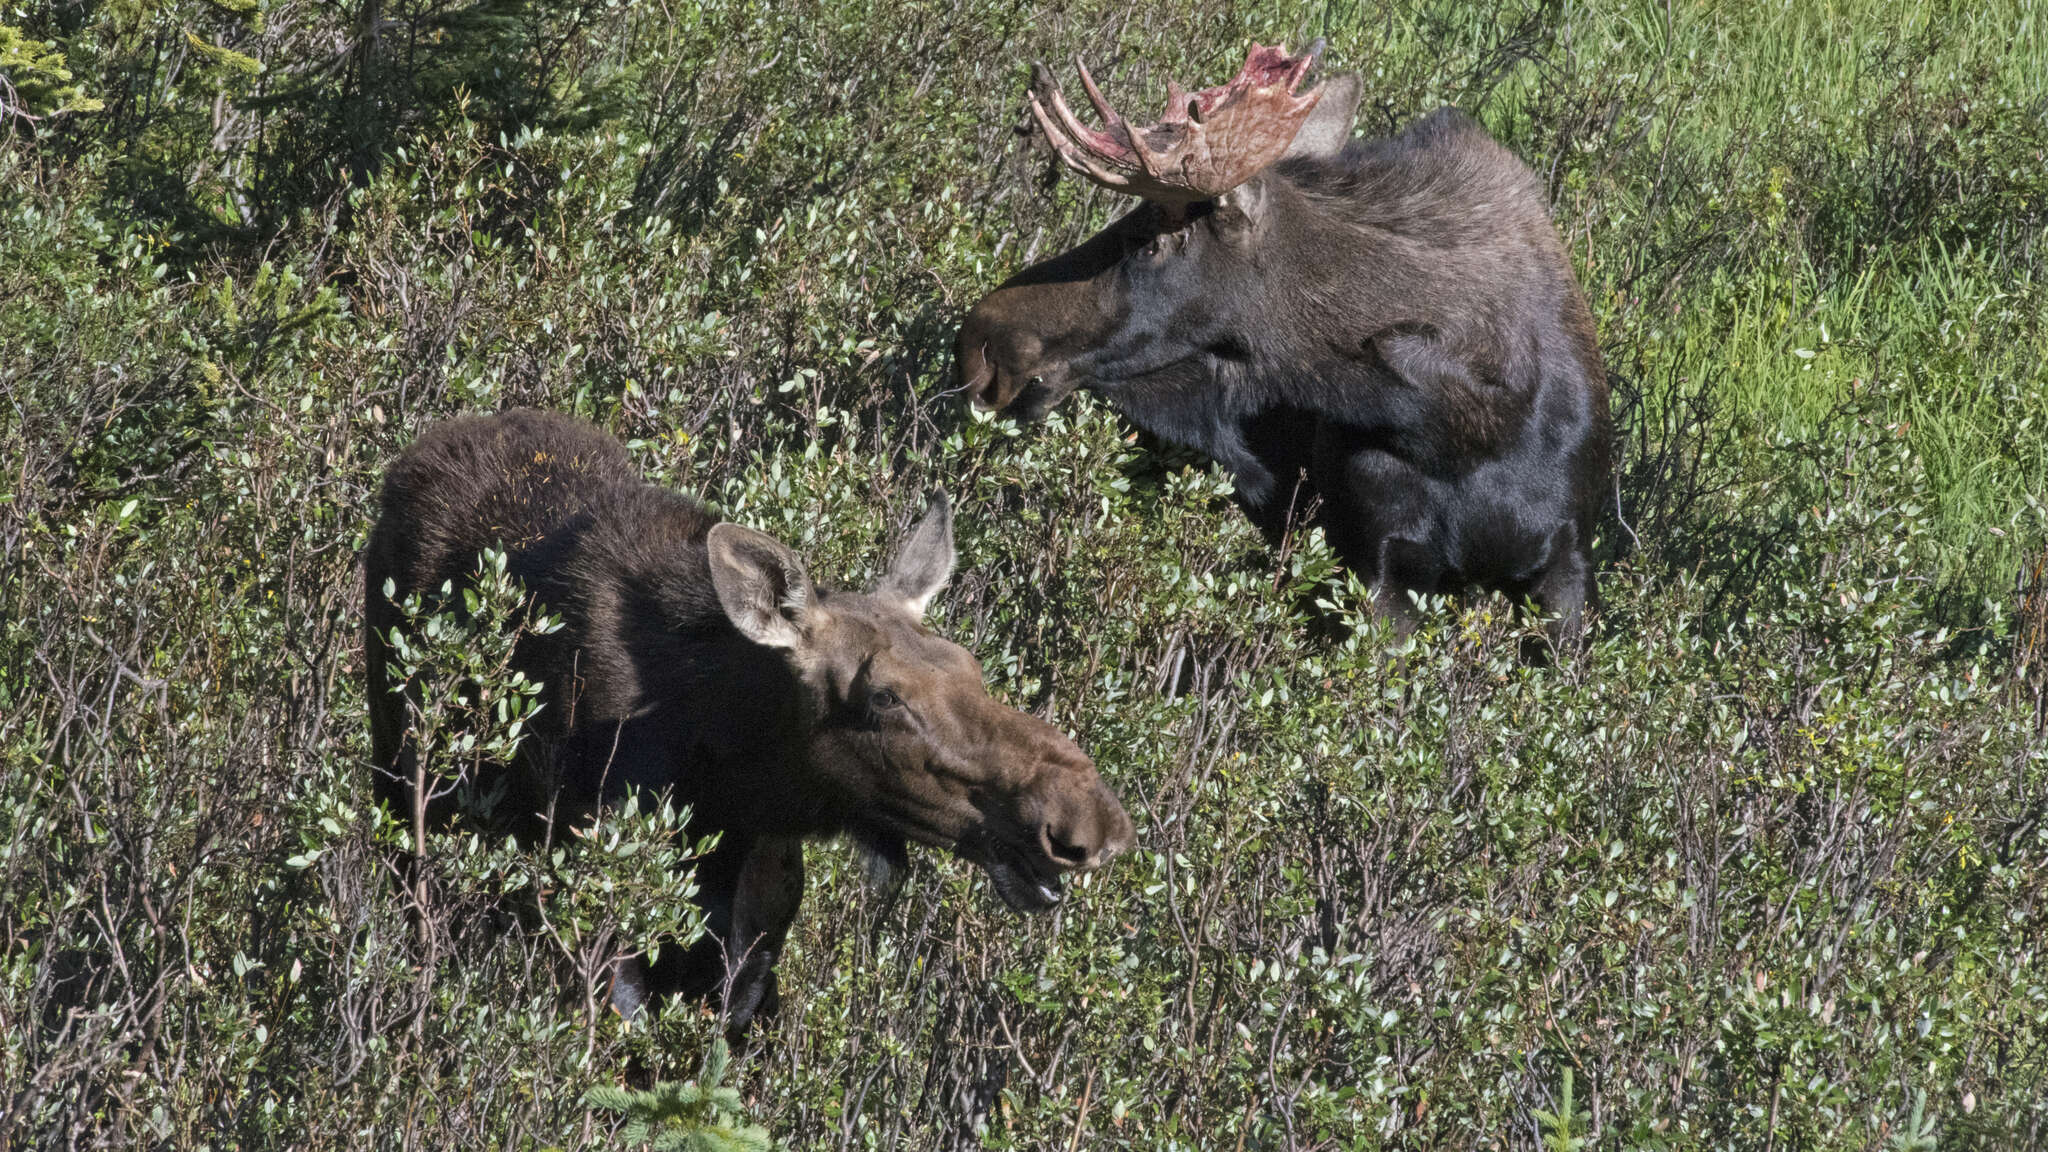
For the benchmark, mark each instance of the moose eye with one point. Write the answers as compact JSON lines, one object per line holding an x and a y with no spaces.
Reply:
{"x":881,"y":700}
{"x":1148,"y":247}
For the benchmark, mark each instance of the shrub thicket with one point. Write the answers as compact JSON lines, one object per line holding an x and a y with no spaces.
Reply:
{"x":1763,"y":867}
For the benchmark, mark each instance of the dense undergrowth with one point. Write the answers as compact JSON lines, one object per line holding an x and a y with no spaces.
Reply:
{"x":1764,"y":867}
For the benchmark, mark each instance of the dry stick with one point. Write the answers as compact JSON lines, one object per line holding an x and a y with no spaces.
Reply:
{"x":1245,"y":1125}
{"x":1017,"y":1050}
{"x":1081,"y":1117}
{"x":1273,"y":1071}
{"x":429,"y":938}
{"x":1771,"y":1131}
{"x":587,"y":965}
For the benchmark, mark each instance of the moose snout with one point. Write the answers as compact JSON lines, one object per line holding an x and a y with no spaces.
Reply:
{"x":974,"y":371}
{"x":992,"y":366}
{"x":1084,"y":828}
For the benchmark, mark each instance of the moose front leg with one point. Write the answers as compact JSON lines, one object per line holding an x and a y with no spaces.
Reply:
{"x":1566,"y":589}
{"x":749,"y":888}
{"x":769,"y":889}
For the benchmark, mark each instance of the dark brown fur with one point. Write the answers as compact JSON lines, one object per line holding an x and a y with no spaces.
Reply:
{"x":1390,"y":326}
{"x":697,"y":660}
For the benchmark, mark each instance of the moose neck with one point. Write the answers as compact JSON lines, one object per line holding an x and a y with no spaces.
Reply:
{"x":742,"y":717}
{"x":1294,"y":334}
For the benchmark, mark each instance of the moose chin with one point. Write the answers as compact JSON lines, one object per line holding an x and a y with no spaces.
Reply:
{"x":1388,"y":331}
{"x":697,"y":659}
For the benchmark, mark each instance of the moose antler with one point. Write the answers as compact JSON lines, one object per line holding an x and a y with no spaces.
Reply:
{"x":1205,"y":144}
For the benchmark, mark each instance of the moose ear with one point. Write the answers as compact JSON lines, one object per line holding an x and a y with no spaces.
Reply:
{"x":1239,"y":211}
{"x":761,"y":584}
{"x":925,"y":561}
{"x":1328,"y":128}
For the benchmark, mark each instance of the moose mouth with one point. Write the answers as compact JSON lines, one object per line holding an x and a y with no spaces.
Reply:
{"x":1033,"y":402}
{"x":990,"y":389}
{"x":1023,"y":887}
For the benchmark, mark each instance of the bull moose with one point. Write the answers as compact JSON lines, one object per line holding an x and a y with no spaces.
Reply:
{"x":697,"y":658}
{"x":1389,"y":330}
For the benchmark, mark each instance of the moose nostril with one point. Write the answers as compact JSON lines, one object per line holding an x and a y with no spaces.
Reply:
{"x":1062,"y":850}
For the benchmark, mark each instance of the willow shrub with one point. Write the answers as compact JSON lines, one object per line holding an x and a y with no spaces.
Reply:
{"x":1763,"y":866}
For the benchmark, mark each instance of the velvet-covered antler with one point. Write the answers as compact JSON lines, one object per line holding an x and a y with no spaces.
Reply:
{"x":1205,"y":145}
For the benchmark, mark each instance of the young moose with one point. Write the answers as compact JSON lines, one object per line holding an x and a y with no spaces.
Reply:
{"x":1388,"y":327}
{"x":697,"y":658}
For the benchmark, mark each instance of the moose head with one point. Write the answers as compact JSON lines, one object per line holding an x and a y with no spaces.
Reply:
{"x":904,"y":729}
{"x":1185,"y":284}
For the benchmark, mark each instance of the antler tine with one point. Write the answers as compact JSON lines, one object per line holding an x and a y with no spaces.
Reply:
{"x":1070,"y":125}
{"x":1102,"y":107}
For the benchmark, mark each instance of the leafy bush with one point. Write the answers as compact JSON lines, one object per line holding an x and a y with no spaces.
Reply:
{"x":1764,"y":866}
